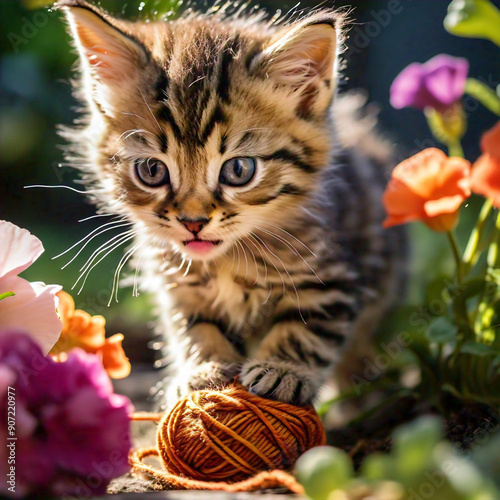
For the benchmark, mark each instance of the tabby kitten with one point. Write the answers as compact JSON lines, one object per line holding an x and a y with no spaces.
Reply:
{"x":256,"y":209}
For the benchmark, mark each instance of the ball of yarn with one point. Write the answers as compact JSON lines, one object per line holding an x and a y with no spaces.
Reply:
{"x":230,"y":435}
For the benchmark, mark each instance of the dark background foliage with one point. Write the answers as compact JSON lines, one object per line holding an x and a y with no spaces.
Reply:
{"x":35,"y":70}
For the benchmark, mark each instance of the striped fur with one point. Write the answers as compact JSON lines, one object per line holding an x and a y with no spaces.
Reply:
{"x":304,"y":268}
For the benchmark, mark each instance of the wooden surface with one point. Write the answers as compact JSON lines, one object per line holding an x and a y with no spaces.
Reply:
{"x":198,"y":495}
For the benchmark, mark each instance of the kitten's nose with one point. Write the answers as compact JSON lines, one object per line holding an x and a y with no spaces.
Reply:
{"x":193,"y":225}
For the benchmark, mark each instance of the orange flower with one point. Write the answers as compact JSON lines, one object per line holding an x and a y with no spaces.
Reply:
{"x":490,"y":141}
{"x":87,"y":332}
{"x":485,"y":177}
{"x":429,"y":187}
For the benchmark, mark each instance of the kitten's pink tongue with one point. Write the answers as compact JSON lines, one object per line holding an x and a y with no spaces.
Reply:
{"x":200,"y":246}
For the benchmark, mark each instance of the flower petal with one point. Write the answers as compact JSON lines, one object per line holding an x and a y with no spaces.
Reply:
{"x":443,"y":222}
{"x":19,"y":249}
{"x":445,"y":78}
{"x":438,"y":83}
{"x":426,"y":186}
{"x":7,"y":378}
{"x":406,"y":86}
{"x":32,"y":309}
{"x":490,"y":141}
{"x":453,"y":179}
{"x":70,"y":422}
{"x":89,"y":331}
{"x":485,"y":178}
{"x":113,"y":357}
{"x":421,"y":171}
{"x":397,"y":220}
{"x":66,"y":307}
{"x":400,"y":200}
{"x":445,"y":205}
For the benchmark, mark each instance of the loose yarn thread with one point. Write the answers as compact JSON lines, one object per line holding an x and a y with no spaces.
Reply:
{"x":230,"y":440}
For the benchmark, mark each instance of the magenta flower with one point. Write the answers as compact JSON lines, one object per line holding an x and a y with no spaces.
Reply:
{"x":439,"y":83}
{"x":73,"y":433}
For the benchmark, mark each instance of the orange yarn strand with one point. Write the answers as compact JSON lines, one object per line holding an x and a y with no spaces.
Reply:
{"x":166,"y":481}
{"x":230,"y":440}
{"x":146,"y":416}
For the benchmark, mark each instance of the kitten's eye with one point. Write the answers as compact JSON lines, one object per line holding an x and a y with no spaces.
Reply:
{"x":152,"y":173}
{"x":237,"y":171}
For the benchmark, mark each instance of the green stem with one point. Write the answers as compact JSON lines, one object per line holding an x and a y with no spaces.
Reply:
{"x":448,"y":127}
{"x":493,"y":260}
{"x":460,"y":303}
{"x":455,"y":149}
{"x":470,"y":254}
{"x":494,"y":250}
{"x":456,"y":254}
{"x":481,"y":92}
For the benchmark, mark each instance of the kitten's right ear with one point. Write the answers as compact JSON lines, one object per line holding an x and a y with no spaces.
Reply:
{"x":302,"y":57}
{"x":110,"y":54}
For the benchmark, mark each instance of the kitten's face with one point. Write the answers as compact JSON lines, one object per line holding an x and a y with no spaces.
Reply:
{"x":209,"y":131}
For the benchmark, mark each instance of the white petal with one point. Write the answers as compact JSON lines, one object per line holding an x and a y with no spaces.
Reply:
{"x":32,"y":310}
{"x":18,"y":249}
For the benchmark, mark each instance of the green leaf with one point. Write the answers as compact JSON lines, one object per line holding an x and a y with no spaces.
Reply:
{"x":473,"y":287}
{"x":6,"y":294}
{"x":496,"y":362}
{"x":378,"y":467}
{"x":452,"y":390}
{"x":438,"y":288}
{"x":36,"y":4}
{"x":463,"y":475}
{"x":442,"y":331}
{"x":414,"y":444}
{"x":478,"y":349}
{"x":474,"y":19}
{"x":494,"y":274}
{"x":322,"y":470}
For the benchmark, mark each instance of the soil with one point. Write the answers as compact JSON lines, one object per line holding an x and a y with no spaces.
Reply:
{"x":465,"y":424}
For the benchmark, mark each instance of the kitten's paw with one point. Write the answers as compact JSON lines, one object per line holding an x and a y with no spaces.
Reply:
{"x":212,"y":375}
{"x":280,"y":380}
{"x":207,"y":375}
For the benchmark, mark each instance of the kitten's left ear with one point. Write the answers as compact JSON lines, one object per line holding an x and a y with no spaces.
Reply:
{"x":303,"y":57}
{"x":109,"y":54}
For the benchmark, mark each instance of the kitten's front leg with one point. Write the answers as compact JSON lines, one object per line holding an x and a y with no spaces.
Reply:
{"x":295,"y":358}
{"x":203,"y":358}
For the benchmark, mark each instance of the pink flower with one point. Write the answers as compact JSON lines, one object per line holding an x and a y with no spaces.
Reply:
{"x":73,"y":432}
{"x":32,"y":308}
{"x":439,"y":83}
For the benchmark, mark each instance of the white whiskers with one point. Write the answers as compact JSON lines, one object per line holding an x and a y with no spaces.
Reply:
{"x":61,"y":186}
{"x":88,"y":236}
{"x":119,"y":267}
{"x":246,"y":260}
{"x":85,"y":274}
{"x":95,"y":236}
{"x":294,"y":237}
{"x":103,"y":250}
{"x":188,"y":267}
{"x":94,"y":217}
{"x":286,"y":271}
{"x":293,"y":250}
{"x":254,"y":261}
